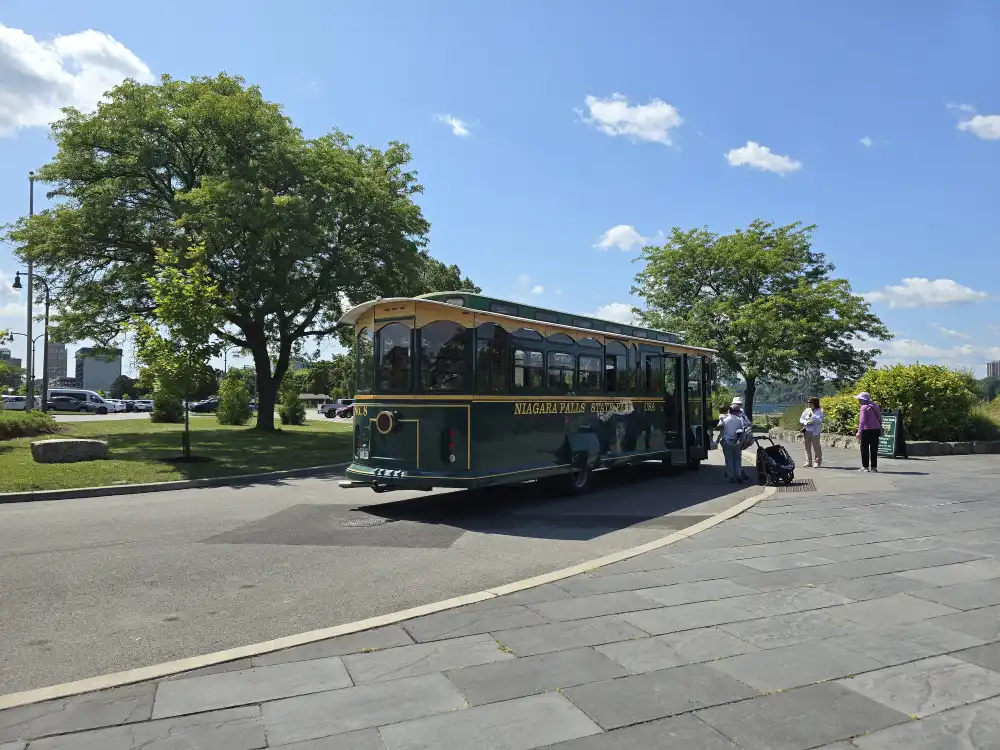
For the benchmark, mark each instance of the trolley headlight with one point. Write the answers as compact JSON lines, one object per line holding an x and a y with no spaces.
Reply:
{"x":385,"y":422}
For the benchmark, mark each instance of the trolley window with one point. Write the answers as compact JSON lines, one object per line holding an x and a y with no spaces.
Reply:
{"x":561,"y":367}
{"x":444,"y":363}
{"x":589,"y":374}
{"x":616,"y":375}
{"x":394,"y":356}
{"x":491,"y":358}
{"x":590,"y":343}
{"x":365,"y":360}
{"x":546,"y":316}
{"x":529,"y":369}
{"x":653,"y":376}
{"x":527,"y":333}
{"x":503,"y":309}
{"x":561,"y":338}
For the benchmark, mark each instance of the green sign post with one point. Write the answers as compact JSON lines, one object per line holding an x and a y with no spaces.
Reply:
{"x":891,"y":443}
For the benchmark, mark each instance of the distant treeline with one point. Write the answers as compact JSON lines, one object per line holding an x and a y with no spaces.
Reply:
{"x":792,"y":392}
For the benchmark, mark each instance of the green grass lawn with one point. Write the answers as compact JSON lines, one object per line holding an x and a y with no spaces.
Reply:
{"x":139,"y":450}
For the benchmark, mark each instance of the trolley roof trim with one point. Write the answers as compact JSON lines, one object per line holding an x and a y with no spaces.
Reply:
{"x":351,"y":316}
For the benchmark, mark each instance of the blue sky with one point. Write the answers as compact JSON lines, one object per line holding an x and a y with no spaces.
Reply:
{"x":540,"y":127}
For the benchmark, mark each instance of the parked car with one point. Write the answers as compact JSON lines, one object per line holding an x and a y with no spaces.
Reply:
{"x":94,"y":401}
{"x":66,"y":403}
{"x":346,"y":413}
{"x":207,"y":406}
{"x":332,"y":408}
{"x":143,"y":404}
{"x":115,"y":405}
{"x":16,"y":403}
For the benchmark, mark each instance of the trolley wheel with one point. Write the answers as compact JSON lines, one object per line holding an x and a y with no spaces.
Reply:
{"x":579,"y":479}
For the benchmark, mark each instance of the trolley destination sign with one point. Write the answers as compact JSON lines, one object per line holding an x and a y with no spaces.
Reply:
{"x":581,"y":407}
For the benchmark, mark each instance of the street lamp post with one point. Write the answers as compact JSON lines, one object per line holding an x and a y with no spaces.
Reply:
{"x":225,"y":359}
{"x":29,"y":390}
{"x":29,"y":344}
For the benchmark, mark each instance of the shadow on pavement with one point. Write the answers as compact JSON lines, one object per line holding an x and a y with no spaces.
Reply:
{"x":641,"y":495}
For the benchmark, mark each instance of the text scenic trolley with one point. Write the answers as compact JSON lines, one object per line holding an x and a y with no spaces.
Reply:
{"x":460,"y":390}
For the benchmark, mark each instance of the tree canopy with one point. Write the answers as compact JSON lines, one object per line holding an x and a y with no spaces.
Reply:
{"x":294,"y":228}
{"x":763,"y":298}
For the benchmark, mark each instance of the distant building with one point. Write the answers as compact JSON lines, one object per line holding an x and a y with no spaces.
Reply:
{"x":993,"y":370}
{"x":10,"y":381}
{"x":95,"y":371}
{"x":65,"y":381}
{"x":58,"y":360}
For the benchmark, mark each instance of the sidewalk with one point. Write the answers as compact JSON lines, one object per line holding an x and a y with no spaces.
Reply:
{"x":864,"y":613}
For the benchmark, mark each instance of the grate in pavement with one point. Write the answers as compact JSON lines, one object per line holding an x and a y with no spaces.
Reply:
{"x":363,"y":522}
{"x":799,"y":485}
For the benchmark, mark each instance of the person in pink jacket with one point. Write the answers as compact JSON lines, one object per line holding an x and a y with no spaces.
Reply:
{"x":869,"y":431}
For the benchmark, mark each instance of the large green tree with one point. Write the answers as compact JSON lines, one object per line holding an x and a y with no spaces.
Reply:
{"x":763,"y":298}
{"x":294,"y":228}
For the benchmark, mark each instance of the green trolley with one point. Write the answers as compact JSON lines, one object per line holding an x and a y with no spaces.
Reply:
{"x":461,"y":390}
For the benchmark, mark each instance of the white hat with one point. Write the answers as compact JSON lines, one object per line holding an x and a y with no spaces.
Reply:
{"x":737,"y":401}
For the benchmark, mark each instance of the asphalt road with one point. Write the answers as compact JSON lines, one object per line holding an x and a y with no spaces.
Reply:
{"x":99,"y":585}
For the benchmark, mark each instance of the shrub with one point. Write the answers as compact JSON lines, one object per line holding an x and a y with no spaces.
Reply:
{"x":840,"y":413}
{"x":985,"y":422}
{"x":234,"y":400}
{"x":18,"y":424}
{"x":291,"y":409}
{"x":936,"y":402}
{"x":167,"y":406}
{"x":722,"y":397}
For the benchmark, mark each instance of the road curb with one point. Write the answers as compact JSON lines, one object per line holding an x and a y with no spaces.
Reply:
{"x":180,"y":484}
{"x":167,"y":669}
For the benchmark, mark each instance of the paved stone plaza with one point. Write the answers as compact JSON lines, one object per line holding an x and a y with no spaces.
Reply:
{"x":859,"y":611}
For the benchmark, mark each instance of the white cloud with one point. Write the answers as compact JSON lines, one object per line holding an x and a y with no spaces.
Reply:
{"x":618,"y":312}
{"x":38,"y":77}
{"x":622,"y":236}
{"x":755,"y":156}
{"x":538,"y":289}
{"x":866,"y":142}
{"x":992,"y":353}
{"x":918,"y":292}
{"x":900,"y":349}
{"x":967,"y":108}
{"x":986,"y":127}
{"x":951,"y":332}
{"x":458,"y":127}
{"x":646,"y":122}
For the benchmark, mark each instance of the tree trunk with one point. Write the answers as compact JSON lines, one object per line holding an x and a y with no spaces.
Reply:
{"x":267,"y":389}
{"x":748,"y":396}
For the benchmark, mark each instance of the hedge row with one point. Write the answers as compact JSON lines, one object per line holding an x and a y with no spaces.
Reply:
{"x":18,"y":424}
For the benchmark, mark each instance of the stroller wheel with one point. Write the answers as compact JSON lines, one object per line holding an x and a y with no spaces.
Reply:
{"x":787,"y":479}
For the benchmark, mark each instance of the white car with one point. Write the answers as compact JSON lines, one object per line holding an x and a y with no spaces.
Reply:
{"x":115,"y":405}
{"x":143,"y":404}
{"x":16,"y":403}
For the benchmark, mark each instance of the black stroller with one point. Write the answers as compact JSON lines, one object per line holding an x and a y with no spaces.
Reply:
{"x":774,"y":464}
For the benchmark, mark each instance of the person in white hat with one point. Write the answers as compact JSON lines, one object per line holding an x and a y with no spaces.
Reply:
{"x":747,"y":427}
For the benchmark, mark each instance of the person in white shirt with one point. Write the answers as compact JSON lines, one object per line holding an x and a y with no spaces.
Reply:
{"x":812,"y":424}
{"x":731,"y":426}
